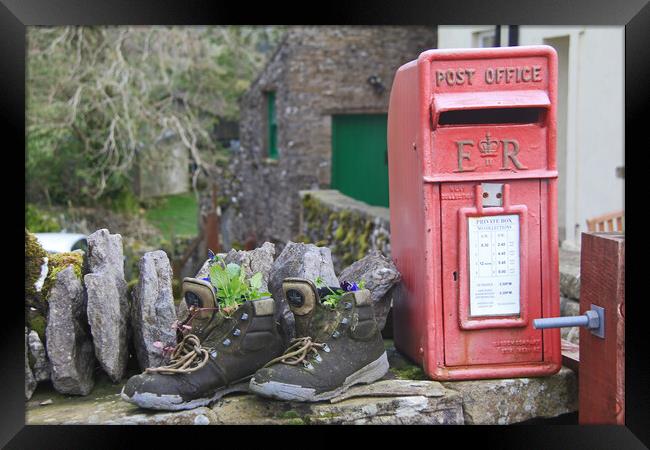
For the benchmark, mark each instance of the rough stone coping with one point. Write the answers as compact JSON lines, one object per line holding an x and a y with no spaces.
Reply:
{"x":389,"y":401}
{"x":337,"y":201}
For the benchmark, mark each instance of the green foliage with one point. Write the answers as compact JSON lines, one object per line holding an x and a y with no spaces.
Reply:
{"x":39,"y":221}
{"x":123,"y":201}
{"x":334,"y":297}
{"x":175,"y":215}
{"x":98,"y":96}
{"x":233,"y":288}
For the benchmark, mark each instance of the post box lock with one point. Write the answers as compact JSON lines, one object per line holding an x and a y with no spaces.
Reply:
{"x":492,"y":194}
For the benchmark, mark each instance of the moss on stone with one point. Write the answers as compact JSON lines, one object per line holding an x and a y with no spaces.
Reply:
{"x":58,"y":262}
{"x":409,"y":373}
{"x":348,"y":233}
{"x":296,"y":421}
{"x":340,"y":233}
{"x":34,"y":255}
{"x":131,"y":285}
{"x":38,"y":323}
{"x":289,"y":415}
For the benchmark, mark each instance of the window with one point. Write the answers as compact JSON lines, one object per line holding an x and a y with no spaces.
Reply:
{"x":483,"y":39}
{"x":272,"y":136}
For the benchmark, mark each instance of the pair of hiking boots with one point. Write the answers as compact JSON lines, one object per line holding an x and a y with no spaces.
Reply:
{"x":334,"y":349}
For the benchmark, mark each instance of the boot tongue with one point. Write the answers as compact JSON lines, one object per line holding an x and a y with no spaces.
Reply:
{"x":204,"y":327}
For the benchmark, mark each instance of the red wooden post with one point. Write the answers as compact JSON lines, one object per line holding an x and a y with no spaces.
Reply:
{"x":602,"y":361}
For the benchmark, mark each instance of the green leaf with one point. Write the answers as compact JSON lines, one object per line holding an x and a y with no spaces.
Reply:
{"x":256,"y":281}
{"x":233,"y":270}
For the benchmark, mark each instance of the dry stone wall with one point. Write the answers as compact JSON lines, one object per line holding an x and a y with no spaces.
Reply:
{"x":350,"y":228}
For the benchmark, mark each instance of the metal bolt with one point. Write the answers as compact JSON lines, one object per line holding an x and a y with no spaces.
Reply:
{"x":593,"y":319}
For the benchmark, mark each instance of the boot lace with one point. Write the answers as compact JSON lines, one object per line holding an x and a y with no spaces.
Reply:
{"x":188,"y":356}
{"x":298,"y":351}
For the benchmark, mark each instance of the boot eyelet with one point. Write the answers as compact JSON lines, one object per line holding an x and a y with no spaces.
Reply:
{"x":318,"y":358}
{"x":307,"y":365}
{"x":237,"y":332}
{"x":226,"y":342}
{"x":348,"y":305}
{"x":213,"y":353}
{"x":244,"y":317}
{"x":326,"y":348}
{"x":336,"y":334}
{"x":344,"y":321}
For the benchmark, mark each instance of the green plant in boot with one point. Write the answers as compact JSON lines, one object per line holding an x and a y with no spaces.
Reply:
{"x":216,"y":353}
{"x":335,"y":348}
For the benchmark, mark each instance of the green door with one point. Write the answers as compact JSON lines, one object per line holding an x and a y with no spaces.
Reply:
{"x":359,"y":157}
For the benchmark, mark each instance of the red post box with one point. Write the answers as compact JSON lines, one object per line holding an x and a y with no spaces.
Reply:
{"x":473,"y":211}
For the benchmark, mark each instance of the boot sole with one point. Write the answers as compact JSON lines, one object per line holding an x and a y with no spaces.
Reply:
{"x":283,"y":391}
{"x":165,"y":402}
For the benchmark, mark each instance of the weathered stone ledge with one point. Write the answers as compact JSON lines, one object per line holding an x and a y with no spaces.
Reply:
{"x":388,"y":401}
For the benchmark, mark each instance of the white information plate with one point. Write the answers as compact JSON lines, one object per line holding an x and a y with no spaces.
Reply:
{"x":494,"y":265}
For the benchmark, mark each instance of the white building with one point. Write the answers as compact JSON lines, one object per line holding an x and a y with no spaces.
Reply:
{"x":590,"y":113}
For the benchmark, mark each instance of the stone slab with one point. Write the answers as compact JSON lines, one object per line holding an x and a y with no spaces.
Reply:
{"x":506,"y":401}
{"x":388,"y":401}
{"x":430,"y":406}
{"x":103,"y":406}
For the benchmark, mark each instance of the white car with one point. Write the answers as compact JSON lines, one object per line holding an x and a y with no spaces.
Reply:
{"x":62,"y":242}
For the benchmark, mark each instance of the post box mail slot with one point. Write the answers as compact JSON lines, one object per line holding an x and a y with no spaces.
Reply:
{"x":473,"y":211}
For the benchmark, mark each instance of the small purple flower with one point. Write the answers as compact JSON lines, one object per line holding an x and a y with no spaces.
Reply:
{"x":349,"y":287}
{"x":206,"y":278}
{"x":211,"y":254}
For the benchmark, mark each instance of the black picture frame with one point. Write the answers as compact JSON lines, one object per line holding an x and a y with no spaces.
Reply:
{"x":15,"y":15}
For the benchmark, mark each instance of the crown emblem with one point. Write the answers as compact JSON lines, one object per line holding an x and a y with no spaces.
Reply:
{"x":488,"y":147}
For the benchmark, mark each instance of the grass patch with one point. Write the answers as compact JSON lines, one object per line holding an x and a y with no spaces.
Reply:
{"x":175,"y":215}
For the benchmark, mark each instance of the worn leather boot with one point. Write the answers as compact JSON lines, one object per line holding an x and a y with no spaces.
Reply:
{"x":334,"y":349}
{"x":203,"y":369}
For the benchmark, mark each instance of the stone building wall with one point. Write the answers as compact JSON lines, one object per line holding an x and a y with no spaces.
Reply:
{"x":162,"y":168}
{"x":315,"y":72}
